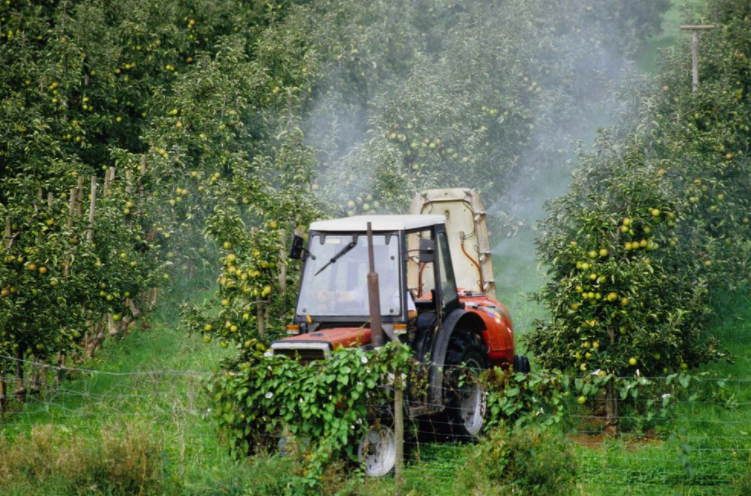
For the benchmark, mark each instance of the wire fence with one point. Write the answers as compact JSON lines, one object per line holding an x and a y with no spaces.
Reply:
{"x":701,"y":445}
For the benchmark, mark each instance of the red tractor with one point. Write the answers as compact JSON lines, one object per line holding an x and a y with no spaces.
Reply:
{"x":434,"y":291}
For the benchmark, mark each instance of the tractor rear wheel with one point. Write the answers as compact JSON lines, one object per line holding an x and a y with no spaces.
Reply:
{"x":465,"y":397}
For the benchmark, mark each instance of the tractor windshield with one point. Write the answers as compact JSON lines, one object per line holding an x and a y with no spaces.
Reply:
{"x":335,"y":278}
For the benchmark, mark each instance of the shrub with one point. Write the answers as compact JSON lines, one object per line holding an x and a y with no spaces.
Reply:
{"x":522,"y":461}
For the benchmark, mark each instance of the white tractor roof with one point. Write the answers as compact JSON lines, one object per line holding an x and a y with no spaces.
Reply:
{"x":379,"y":222}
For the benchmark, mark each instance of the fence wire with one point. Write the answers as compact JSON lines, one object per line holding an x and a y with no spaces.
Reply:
{"x":702,"y":447}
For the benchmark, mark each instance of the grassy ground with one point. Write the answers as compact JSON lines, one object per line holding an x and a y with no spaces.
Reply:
{"x":152,"y":379}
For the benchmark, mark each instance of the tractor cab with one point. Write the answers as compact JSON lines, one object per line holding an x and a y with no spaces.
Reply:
{"x":410,"y":255}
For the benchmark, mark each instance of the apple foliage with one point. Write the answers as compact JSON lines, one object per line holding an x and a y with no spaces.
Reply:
{"x":657,"y":220}
{"x":182,"y":101}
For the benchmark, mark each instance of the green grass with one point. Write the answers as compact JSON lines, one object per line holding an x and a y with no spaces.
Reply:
{"x":712,"y":444}
{"x":152,"y":378}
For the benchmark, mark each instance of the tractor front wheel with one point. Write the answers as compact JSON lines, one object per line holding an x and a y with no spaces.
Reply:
{"x":377,"y":449}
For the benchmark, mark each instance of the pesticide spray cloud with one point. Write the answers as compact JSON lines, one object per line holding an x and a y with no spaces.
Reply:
{"x":482,"y":94}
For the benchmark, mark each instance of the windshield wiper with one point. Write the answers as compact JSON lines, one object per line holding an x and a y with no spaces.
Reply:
{"x":339,"y":255}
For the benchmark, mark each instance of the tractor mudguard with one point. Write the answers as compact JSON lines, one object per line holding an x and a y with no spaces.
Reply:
{"x":458,"y":319}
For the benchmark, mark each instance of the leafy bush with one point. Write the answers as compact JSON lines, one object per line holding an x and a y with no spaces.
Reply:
{"x":517,"y":399}
{"x":191,"y":106}
{"x":520,"y":461}
{"x":325,"y":404}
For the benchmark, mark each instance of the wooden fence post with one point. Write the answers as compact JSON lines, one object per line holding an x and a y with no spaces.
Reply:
{"x":61,"y":358}
{"x":611,"y":399}
{"x":34,"y":381}
{"x":72,"y":208}
{"x":9,"y":233}
{"x":399,"y":429}
{"x":8,"y":244}
{"x":92,"y":207}
{"x":79,"y":203}
{"x":128,"y":182}
{"x":106,"y":191}
{"x":695,"y":51}
{"x":20,"y":391}
{"x":260,"y":314}
{"x":282,"y":262}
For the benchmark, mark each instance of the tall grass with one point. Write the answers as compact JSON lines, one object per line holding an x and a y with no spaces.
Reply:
{"x":118,"y":459}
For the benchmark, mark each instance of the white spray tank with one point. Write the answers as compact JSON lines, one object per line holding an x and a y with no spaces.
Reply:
{"x":467,"y":229}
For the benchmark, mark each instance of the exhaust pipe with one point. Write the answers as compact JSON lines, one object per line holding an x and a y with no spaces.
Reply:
{"x":374,"y":296}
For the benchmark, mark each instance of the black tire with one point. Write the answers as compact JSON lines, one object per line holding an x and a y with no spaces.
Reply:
{"x":521,"y":364}
{"x":464,"y":396}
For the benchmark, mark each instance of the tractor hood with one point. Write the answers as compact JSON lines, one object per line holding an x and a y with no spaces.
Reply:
{"x":319,"y":344}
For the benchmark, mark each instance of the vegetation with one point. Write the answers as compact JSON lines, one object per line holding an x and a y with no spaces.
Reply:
{"x":655,"y":222}
{"x":212,"y":131}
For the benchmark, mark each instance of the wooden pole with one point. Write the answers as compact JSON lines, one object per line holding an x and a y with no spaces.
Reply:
{"x":50,"y":198}
{"x":261,"y":319}
{"x":399,"y":430}
{"x":34,"y":383}
{"x":79,"y":208}
{"x":92,"y":207}
{"x":374,"y":297}
{"x":9,"y":233}
{"x":72,"y":208}
{"x":128,"y":182}
{"x":695,"y":51}
{"x":107,"y":182}
{"x":20,"y":391}
{"x":694,"y":61}
{"x":142,"y":172}
{"x":59,"y":370}
{"x":282,"y":262}
{"x":611,"y":398}
{"x":2,"y":393}
{"x":71,"y":214}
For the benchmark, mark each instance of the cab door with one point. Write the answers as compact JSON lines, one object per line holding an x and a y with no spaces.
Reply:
{"x":432,"y":284}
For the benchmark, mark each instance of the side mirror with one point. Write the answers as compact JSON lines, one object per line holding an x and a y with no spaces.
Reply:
{"x":427,"y":251}
{"x":296,"y":247}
